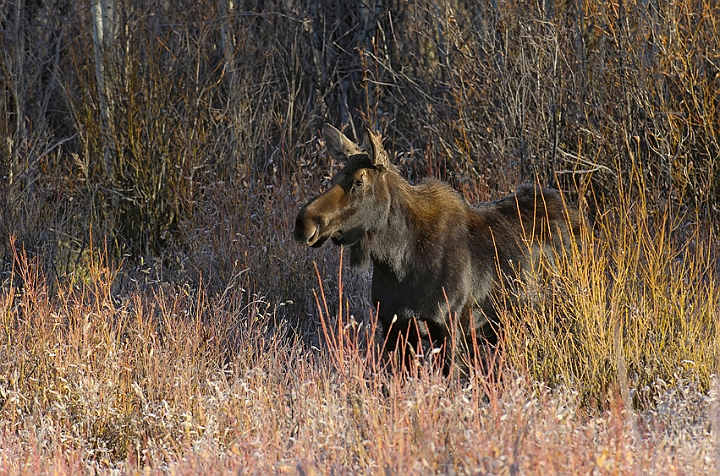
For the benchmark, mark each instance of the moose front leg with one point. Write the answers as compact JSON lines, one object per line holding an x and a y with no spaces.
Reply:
{"x":405,"y":339}
{"x":440,"y":337}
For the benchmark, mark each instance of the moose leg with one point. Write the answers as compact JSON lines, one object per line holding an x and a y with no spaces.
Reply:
{"x":455,"y":340}
{"x":404,"y":338}
{"x":440,"y":338}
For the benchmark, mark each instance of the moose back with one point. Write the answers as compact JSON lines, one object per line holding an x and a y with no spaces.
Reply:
{"x":434,"y":256}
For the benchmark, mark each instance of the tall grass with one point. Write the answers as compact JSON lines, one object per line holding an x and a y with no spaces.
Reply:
{"x":167,"y":378}
{"x":634,"y":306}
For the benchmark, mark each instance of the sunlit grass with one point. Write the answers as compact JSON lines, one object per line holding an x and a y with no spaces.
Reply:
{"x":635,"y":304}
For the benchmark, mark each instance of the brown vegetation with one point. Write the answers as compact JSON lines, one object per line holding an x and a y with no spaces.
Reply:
{"x":156,"y":314}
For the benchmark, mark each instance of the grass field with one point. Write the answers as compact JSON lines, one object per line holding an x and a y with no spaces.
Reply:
{"x":113,"y":377}
{"x":156,"y":316}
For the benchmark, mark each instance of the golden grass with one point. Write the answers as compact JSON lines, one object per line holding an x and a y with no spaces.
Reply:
{"x":634,"y":305}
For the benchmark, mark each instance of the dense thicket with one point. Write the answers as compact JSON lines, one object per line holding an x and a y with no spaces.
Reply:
{"x":485,"y":94}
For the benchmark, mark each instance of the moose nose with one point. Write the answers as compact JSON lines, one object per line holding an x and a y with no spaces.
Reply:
{"x":306,"y":231}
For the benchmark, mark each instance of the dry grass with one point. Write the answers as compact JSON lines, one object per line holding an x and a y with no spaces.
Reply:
{"x":159,"y":318}
{"x":170,"y":379}
{"x":635,"y":304}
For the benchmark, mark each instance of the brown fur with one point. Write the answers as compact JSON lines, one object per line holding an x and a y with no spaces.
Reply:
{"x":430,"y":249}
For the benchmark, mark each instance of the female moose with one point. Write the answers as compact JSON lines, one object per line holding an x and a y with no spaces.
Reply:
{"x":433,"y":254}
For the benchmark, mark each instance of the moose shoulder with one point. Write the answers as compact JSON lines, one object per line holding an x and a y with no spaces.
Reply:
{"x":433,"y":254}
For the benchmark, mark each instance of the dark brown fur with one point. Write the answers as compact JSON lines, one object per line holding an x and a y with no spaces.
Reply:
{"x":428,"y":246}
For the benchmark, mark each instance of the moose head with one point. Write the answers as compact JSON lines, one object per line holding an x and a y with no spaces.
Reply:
{"x":358,"y":199}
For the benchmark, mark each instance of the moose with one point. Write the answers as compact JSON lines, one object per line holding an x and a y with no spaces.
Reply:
{"x":437,"y":260}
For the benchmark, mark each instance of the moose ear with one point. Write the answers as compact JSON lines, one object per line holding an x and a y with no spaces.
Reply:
{"x":374,"y":148}
{"x":339,"y":146}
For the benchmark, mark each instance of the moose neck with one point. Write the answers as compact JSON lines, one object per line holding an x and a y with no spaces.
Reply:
{"x":391,"y":245}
